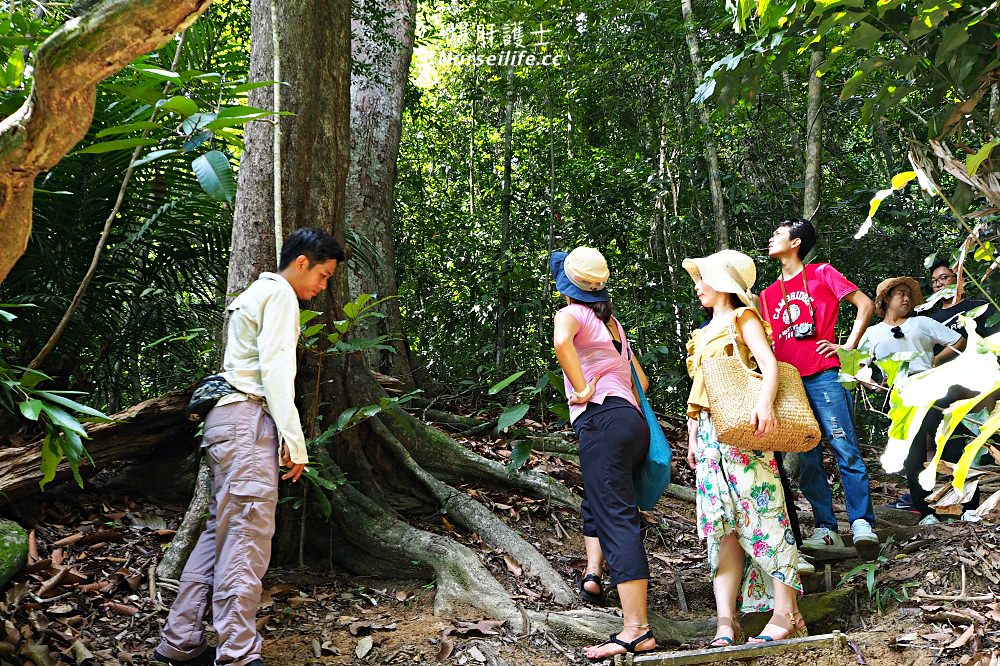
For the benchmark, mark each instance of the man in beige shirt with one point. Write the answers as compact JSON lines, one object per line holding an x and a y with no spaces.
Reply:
{"x":245,"y":435}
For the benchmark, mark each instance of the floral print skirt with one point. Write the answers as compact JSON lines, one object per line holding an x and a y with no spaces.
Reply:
{"x":739,"y":492}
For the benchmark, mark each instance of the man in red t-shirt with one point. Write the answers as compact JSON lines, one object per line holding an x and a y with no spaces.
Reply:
{"x":802,"y":308}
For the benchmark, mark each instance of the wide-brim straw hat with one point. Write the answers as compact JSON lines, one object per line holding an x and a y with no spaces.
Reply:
{"x":728,"y":271}
{"x":581,"y":274}
{"x":885,"y":286}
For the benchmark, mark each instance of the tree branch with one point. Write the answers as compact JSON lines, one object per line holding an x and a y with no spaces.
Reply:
{"x":60,"y":108}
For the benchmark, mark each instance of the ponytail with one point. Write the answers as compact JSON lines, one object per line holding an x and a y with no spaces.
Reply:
{"x":602,"y":309}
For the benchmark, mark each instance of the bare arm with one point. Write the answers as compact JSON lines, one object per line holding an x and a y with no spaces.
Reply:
{"x":949,"y":352}
{"x":643,"y":379}
{"x":566,"y":328}
{"x":752,"y":330}
{"x":865,"y":308}
{"x":692,"y":456}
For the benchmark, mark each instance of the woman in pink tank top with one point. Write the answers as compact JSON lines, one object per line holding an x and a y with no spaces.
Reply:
{"x":614,"y":438}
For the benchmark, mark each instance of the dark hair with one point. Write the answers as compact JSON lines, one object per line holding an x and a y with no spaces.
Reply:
{"x":941,"y":263}
{"x":804,"y":231}
{"x":734,"y":301}
{"x":602,"y":309}
{"x":315,"y":245}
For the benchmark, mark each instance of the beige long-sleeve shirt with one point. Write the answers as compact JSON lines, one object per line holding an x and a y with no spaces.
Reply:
{"x":260,"y":355}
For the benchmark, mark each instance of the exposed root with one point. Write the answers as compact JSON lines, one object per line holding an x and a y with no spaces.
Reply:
{"x":474,"y":516}
{"x":451,"y":462}
{"x":379,"y":543}
{"x":172,"y":564}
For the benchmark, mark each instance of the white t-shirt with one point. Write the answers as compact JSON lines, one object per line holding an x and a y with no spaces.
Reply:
{"x":920,"y":334}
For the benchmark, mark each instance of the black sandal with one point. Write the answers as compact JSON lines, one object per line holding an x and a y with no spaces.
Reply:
{"x":630,"y":647}
{"x":597,"y":598}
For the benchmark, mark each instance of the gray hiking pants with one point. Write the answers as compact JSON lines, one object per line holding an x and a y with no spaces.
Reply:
{"x":233,"y":552}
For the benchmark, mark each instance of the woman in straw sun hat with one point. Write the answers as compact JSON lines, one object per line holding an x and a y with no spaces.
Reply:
{"x":595,"y":357}
{"x":740,"y":503}
{"x":899,"y":331}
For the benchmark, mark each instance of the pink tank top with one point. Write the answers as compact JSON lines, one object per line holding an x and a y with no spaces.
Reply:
{"x":598,"y":356}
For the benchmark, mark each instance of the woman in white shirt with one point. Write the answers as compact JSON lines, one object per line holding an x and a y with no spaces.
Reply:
{"x":895,"y":299}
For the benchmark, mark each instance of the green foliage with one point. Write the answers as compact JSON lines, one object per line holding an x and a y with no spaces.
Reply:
{"x":21,"y":396}
{"x":881,"y":592}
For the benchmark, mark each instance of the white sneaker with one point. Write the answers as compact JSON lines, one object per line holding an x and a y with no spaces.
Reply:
{"x":806,"y":567}
{"x":823,"y":538}
{"x":865,"y":539}
{"x":863,"y":532}
{"x":929,"y":519}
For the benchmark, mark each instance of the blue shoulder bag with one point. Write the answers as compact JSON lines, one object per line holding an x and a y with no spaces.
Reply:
{"x":653,"y":476}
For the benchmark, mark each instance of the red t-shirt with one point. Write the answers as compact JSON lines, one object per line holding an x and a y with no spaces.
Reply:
{"x":826,"y":287}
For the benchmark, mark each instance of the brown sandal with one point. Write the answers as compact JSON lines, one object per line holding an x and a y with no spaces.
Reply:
{"x":793,"y":620}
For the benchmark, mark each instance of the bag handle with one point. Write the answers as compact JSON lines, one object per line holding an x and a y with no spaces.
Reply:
{"x":732,"y":339}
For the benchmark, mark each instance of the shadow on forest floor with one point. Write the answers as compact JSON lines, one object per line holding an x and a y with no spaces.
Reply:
{"x":87,"y":590}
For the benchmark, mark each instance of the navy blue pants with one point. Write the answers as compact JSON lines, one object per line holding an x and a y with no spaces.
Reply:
{"x":614,"y":439}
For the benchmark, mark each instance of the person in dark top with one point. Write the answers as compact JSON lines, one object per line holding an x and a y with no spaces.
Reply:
{"x":950,"y":308}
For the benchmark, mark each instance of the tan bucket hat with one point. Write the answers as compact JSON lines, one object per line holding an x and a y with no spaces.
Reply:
{"x":727,"y":271}
{"x":885,"y":286}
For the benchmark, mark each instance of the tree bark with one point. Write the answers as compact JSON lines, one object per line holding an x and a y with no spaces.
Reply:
{"x":814,"y":137}
{"x":504,"y":260}
{"x":60,"y":108}
{"x":376,"y":122}
{"x":711,"y":150}
{"x":314,"y":38}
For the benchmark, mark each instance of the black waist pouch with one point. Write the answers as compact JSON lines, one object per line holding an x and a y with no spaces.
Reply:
{"x":206,"y":394}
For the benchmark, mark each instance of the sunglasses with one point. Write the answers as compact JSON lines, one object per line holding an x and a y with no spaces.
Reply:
{"x":897,"y":332}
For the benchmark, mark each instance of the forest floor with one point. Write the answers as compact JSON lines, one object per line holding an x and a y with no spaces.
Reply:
{"x":87,"y":595}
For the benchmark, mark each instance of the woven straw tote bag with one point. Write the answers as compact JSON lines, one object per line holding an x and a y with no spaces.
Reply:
{"x":733,"y":390}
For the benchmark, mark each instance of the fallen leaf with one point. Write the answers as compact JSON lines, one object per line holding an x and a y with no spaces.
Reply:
{"x":402,"y":595}
{"x":477,"y":654}
{"x":512,"y":565}
{"x":364,"y":647}
{"x":447,"y":646}
{"x":300,"y":601}
{"x":964,"y":638}
{"x":358,"y":626}
{"x":483,"y":627}
{"x":80,"y":652}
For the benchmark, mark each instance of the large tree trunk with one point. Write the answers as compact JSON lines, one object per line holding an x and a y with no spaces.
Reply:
{"x":393,"y":462}
{"x":59,"y":110}
{"x":711,"y":151}
{"x":814,"y":137}
{"x":376,"y":112}
{"x":504,"y":260}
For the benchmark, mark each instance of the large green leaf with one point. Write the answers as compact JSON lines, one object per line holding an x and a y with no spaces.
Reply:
{"x":128,"y":127}
{"x":511,"y":416}
{"x":504,"y":383}
{"x":179,"y":104}
{"x":519,"y":453}
{"x":51,"y":457}
{"x":62,"y":420}
{"x":215,"y":175}
{"x":74,"y":405}
{"x":30,"y":408}
{"x":952,"y":37}
{"x":117,"y":144}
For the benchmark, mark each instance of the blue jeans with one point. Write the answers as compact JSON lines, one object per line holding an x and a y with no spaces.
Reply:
{"x":833,"y":407}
